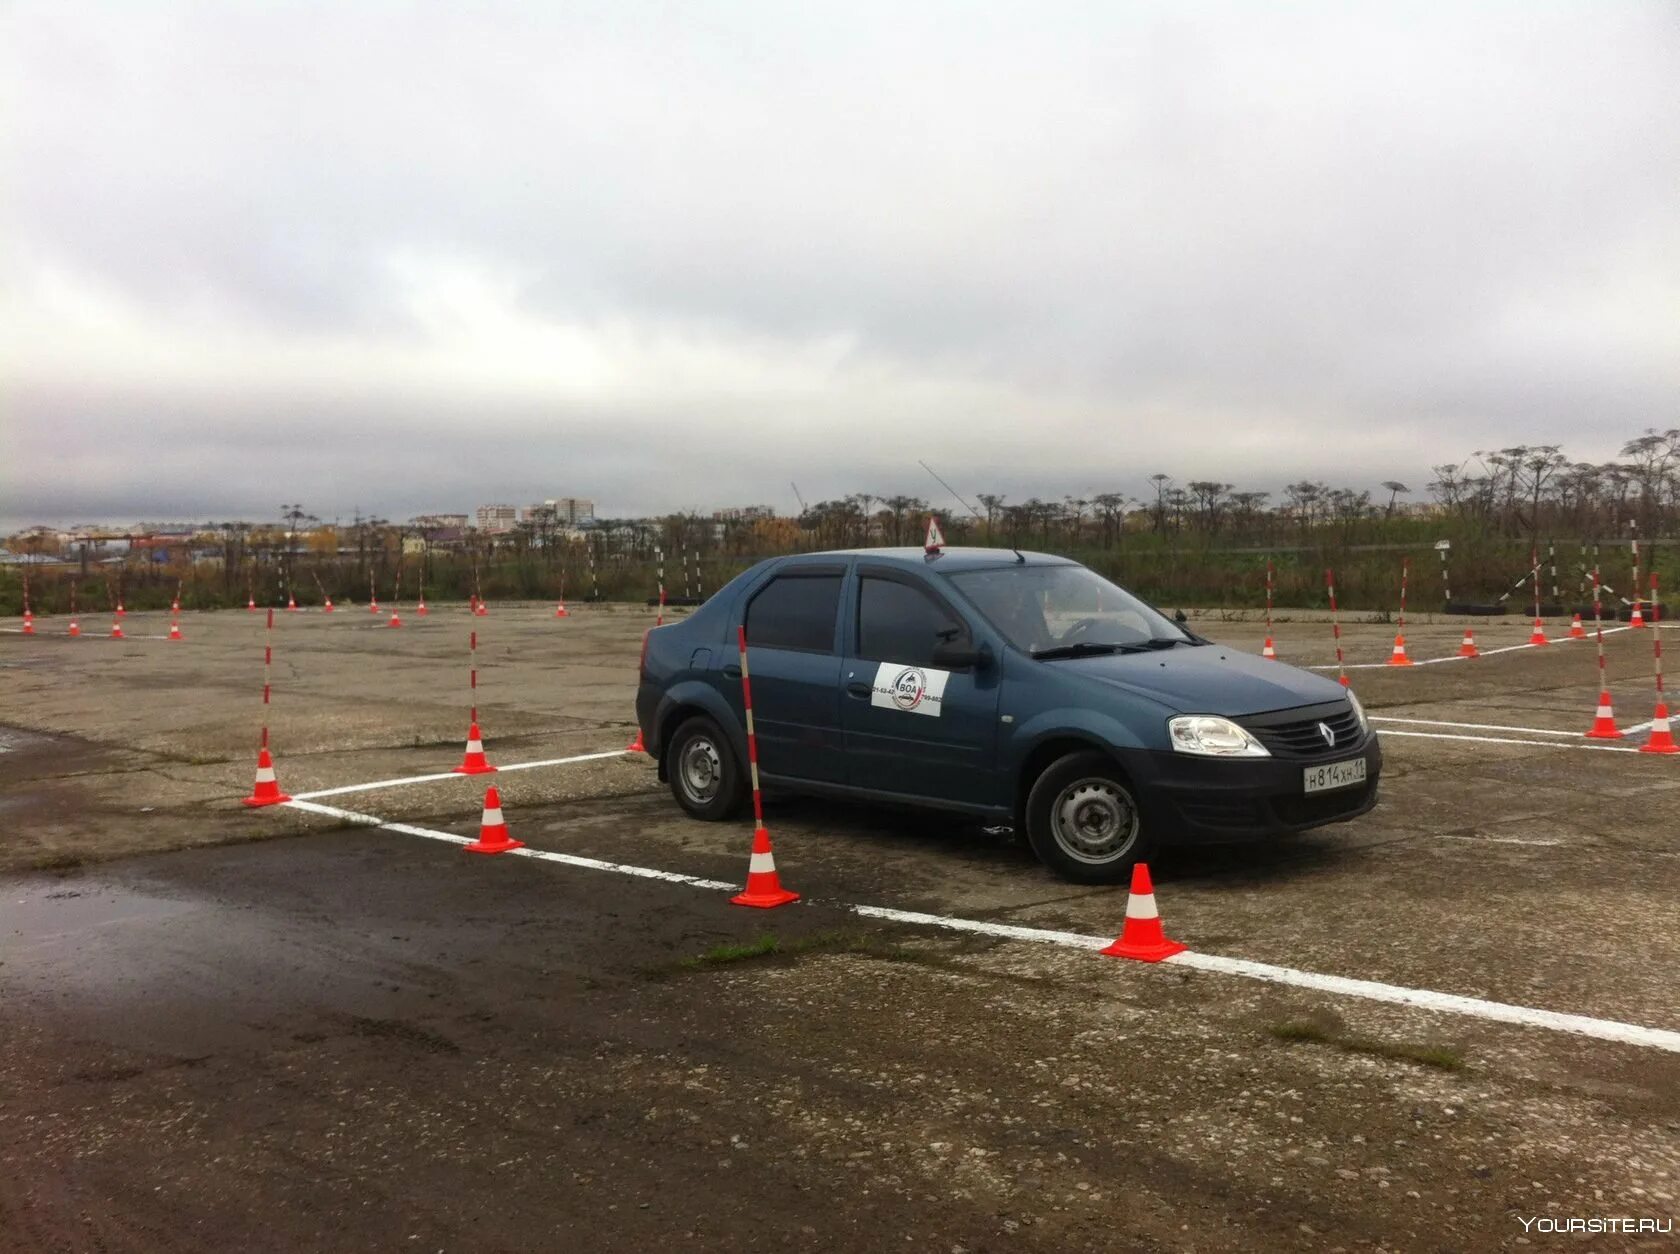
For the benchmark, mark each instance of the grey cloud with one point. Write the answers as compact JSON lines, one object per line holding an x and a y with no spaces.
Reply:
{"x":1237,"y":241}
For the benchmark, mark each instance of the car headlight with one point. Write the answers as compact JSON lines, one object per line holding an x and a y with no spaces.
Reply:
{"x":1213,"y":737}
{"x":1359,"y":712}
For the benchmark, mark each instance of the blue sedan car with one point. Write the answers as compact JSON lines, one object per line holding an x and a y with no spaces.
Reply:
{"x":1019,"y":688}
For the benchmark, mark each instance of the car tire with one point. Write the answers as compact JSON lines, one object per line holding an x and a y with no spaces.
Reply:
{"x":705,"y":777}
{"x":1084,"y":820}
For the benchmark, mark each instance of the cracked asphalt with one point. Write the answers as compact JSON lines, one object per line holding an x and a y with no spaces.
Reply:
{"x":274,"y":1030}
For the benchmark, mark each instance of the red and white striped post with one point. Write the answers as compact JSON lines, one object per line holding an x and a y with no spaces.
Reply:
{"x":473,"y":762}
{"x":1538,"y":635}
{"x":267,"y":791}
{"x":28,"y":618}
{"x":659,"y":558}
{"x":1637,"y":619}
{"x":1399,"y":657}
{"x":373,"y":596}
{"x":75,"y":627}
{"x":1268,"y":650}
{"x":1336,"y":627}
{"x":764,"y":886}
{"x":1662,"y":738}
{"x":1604,"y":722}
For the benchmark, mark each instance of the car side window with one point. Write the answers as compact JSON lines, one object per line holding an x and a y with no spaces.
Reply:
{"x":795,"y":611}
{"x":901,"y":623}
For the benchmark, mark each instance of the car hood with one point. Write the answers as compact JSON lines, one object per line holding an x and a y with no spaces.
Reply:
{"x":1207,"y":679}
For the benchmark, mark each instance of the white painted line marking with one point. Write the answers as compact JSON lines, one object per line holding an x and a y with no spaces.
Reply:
{"x":1427,"y":999}
{"x":1453,"y":657}
{"x":543,"y":855}
{"x":1437,"y":722}
{"x":427,"y":779}
{"x":1496,"y":840}
{"x":1505,"y":740}
{"x":1450,"y":1003}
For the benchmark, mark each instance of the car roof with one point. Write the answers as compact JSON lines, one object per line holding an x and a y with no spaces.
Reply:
{"x":949,"y":560}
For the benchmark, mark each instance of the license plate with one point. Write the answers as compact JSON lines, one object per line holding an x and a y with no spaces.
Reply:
{"x":1334,"y":775}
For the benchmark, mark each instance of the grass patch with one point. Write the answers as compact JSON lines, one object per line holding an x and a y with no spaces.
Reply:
{"x":1438,"y":1056}
{"x":57,"y":862}
{"x":770,"y":946}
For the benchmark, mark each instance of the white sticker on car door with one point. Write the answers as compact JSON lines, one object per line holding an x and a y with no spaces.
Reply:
{"x":912,"y":689}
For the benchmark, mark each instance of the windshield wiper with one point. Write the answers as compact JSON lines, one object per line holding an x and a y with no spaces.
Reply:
{"x":1165,"y":642}
{"x":1086,"y":648}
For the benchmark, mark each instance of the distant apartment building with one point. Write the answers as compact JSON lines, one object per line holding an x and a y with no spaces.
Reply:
{"x":428,"y":522}
{"x":496,"y":519}
{"x":570,"y":510}
{"x":744,"y":513}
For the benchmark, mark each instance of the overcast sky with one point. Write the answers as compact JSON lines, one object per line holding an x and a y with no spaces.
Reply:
{"x":415,"y":257}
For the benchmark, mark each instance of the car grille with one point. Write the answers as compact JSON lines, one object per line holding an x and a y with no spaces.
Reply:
{"x":1321,"y":807}
{"x":1300,"y":737}
{"x":1236,"y":814}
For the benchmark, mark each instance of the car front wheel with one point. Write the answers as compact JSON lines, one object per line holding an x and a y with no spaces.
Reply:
{"x":1084,"y":821}
{"x":705,"y":778}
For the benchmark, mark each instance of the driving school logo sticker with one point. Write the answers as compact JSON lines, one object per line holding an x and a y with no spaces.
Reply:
{"x":909,"y":688}
{"x":912,"y":689}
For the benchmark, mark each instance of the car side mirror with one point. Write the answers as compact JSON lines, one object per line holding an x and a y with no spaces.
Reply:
{"x":960,"y":655}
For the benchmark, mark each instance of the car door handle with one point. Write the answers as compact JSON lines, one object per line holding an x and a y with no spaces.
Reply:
{"x":732,"y":671}
{"x":860,"y":691}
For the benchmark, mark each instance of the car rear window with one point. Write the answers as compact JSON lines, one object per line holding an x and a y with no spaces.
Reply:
{"x":795,"y":611}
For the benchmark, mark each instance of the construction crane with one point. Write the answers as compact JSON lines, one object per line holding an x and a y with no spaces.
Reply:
{"x":803,"y":508}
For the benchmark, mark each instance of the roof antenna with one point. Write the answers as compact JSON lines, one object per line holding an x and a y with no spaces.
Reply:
{"x":965,"y":504}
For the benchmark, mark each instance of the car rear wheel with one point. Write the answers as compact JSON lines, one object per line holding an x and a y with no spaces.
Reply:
{"x":705,"y":778}
{"x":1084,"y":821}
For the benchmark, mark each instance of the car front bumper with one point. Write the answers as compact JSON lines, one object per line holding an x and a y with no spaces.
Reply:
{"x":1197,"y":800}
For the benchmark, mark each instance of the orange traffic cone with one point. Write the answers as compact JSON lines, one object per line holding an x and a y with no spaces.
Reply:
{"x":28,"y":623}
{"x":1142,"y":937}
{"x":291,"y":604}
{"x":1268,"y":651}
{"x":396,"y":620}
{"x":75,"y":628}
{"x":764,"y":886}
{"x":121,"y":613}
{"x":175,"y":606}
{"x":1539,"y":634}
{"x":493,"y":831}
{"x":328,"y":607}
{"x":251,"y":605}
{"x":474,"y":762}
{"x":1662,"y":739}
{"x":636,"y":745}
{"x":116,"y":630}
{"x":1468,"y":647}
{"x":267,"y":791}
{"x":373,"y":606}
{"x":1604,"y":726}
{"x":1638,"y":619}
{"x":560,"y":611}
{"x":1576,"y":630}
{"x":421,"y":608}
{"x":482,"y":609}
{"x":175,"y":630}
{"x":1398,"y":657}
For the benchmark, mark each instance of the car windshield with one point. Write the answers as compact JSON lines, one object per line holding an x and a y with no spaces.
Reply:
{"x":1040,"y":609}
